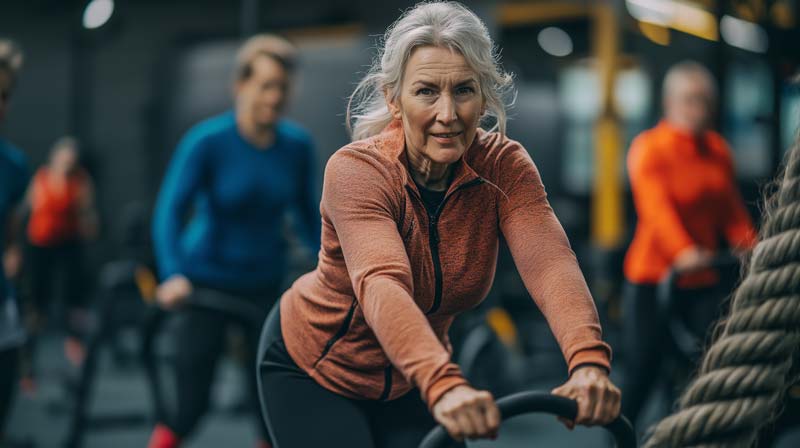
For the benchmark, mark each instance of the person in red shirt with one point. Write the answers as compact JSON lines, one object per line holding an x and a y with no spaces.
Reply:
{"x":686,"y":199}
{"x":62,"y":219}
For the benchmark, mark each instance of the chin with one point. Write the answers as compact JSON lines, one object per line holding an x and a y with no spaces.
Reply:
{"x":447,"y":155}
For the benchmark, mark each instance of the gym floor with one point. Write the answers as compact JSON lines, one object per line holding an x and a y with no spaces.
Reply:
{"x":42,"y":419}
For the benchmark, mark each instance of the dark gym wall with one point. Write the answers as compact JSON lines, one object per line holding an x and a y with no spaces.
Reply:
{"x":123,"y":64}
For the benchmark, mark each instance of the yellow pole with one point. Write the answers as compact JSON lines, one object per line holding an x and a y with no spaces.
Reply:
{"x":607,"y":207}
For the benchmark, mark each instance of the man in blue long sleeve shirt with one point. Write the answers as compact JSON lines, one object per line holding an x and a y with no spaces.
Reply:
{"x":218,"y":223}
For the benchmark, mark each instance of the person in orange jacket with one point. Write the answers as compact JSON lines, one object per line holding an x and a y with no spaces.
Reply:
{"x":686,"y":200}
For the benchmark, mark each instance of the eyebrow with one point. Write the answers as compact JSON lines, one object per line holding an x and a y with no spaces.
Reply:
{"x":432,"y":84}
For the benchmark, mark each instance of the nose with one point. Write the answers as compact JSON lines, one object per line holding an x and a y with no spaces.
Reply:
{"x":274,"y":95}
{"x":446,"y":110}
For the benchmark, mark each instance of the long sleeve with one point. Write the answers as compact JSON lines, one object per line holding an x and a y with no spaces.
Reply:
{"x":182,"y":181}
{"x":308,"y":203}
{"x":364,"y":214}
{"x":653,"y":203}
{"x":546,"y":262}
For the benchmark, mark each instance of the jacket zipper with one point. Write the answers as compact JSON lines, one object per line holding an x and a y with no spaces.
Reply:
{"x":339,"y":333}
{"x":387,"y":383}
{"x":433,"y":242}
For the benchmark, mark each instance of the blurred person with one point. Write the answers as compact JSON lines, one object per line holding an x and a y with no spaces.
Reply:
{"x":62,"y":220}
{"x":356,"y":353}
{"x":686,"y":198}
{"x":238,"y":173}
{"x":14,"y":175}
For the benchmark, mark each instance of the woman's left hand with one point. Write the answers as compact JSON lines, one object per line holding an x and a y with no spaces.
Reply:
{"x":598,"y":398}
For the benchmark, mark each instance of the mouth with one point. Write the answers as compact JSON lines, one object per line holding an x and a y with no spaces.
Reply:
{"x":446,"y":134}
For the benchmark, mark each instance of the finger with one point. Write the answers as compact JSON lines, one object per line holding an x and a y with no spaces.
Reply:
{"x":464,"y":423}
{"x":492,"y":415}
{"x":566,"y":422}
{"x":585,"y":408}
{"x":452,"y":428}
{"x":478,"y":421}
{"x":598,"y":406}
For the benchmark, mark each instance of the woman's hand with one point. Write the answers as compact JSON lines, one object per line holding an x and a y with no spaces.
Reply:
{"x":598,"y":398}
{"x":173,"y":291}
{"x":693,"y":259}
{"x":467,"y":413}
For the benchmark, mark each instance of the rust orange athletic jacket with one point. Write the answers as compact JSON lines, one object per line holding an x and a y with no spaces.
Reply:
{"x":685,"y":195}
{"x":371,"y":321}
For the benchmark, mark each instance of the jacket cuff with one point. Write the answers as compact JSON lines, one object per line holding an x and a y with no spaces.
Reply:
{"x":440,"y":387}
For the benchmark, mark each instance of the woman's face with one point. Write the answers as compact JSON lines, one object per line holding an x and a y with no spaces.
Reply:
{"x":261,"y":97}
{"x":64,"y":159}
{"x":689,"y":105}
{"x":439,"y":103}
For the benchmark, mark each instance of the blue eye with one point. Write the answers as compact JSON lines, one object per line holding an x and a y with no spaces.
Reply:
{"x":425,"y":91}
{"x":466,"y":90}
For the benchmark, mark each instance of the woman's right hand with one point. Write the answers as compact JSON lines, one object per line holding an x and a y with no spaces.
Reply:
{"x":173,"y":291}
{"x":467,"y":413}
{"x":692,"y":259}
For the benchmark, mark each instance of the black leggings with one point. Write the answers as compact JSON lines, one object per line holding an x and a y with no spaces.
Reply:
{"x":647,"y":342}
{"x":200,"y":336}
{"x":9,"y":359}
{"x":300,"y":413}
{"x":57,"y":265}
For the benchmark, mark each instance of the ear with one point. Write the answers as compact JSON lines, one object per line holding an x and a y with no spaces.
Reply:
{"x":393,"y":104}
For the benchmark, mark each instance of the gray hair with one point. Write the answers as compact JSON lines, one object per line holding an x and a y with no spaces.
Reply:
{"x":441,"y":24}
{"x":682,"y":70}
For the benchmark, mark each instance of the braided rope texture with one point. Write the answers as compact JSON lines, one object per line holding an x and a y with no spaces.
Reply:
{"x":747,"y":369}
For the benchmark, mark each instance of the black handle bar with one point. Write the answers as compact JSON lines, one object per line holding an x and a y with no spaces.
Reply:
{"x":530,"y":402}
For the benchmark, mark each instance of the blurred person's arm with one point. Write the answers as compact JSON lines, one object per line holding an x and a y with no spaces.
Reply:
{"x":182,"y":180}
{"x":654,"y":206}
{"x":735,"y":220}
{"x":88,"y":219}
{"x":12,"y":250}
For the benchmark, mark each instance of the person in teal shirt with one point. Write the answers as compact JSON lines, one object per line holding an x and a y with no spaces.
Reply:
{"x":236,"y":175}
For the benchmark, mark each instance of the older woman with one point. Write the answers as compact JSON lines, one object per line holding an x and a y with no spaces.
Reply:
{"x":357,"y":353}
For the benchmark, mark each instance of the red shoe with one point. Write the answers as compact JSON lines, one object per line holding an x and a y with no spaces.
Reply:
{"x":263,"y":444}
{"x":163,"y":437}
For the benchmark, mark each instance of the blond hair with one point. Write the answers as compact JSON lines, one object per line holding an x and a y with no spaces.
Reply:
{"x":269,"y":45}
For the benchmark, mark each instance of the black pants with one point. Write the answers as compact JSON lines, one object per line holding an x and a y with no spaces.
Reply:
{"x":57,"y":268}
{"x":644,"y":337}
{"x":647,"y":343}
{"x":300,"y":413}
{"x":200,"y":336}
{"x":9,"y":359}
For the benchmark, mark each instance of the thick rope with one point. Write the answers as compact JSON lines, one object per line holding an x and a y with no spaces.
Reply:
{"x":747,"y":369}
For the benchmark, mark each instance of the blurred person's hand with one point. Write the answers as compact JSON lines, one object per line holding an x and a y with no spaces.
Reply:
{"x":173,"y":291}
{"x":12,"y":261}
{"x":693,"y":259}
{"x":597,"y":397}
{"x":467,"y":413}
